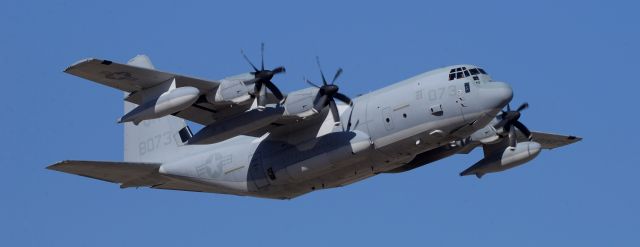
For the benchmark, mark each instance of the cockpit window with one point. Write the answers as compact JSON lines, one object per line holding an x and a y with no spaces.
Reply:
{"x":462,"y":72}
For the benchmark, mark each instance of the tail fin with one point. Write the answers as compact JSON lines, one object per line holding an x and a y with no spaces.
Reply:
{"x":153,"y":140}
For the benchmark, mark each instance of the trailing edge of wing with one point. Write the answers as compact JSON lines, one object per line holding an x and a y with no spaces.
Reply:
{"x":128,"y":174}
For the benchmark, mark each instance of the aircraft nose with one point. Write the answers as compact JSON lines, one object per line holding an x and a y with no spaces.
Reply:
{"x":499,"y":94}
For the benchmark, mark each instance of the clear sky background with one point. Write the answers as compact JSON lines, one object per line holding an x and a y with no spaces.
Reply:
{"x":575,"y":62}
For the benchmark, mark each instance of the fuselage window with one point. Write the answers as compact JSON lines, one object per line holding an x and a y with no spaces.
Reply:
{"x":474,"y":71}
{"x":466,"y":73}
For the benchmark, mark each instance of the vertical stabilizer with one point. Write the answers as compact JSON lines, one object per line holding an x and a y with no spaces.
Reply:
{"x":154,"y":140}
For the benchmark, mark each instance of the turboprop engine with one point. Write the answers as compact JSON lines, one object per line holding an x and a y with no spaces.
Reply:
{"x":509,"y":158}
{"x":169,"y":102}
{"x":311,"y":101}
{"x":300,"y":103}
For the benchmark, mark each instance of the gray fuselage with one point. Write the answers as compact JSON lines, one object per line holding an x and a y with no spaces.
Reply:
{"x":382,"y":130}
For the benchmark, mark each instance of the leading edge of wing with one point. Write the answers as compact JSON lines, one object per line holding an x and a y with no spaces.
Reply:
{"x":550,"y":140}
{"x":131,"y":78}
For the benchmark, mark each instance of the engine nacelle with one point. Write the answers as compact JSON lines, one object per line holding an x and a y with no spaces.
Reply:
{"x":507,"y":159}
{"x":300,"y":103}
{"x":486,"y":135}
{"x":230,"y":92}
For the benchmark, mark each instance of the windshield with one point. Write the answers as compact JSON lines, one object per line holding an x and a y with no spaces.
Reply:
{"x":462,"y":72}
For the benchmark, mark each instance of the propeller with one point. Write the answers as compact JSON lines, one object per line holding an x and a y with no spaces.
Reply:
{"x":262,"y":79}
{"x":509,"y":120}
{"x":328,"y":93}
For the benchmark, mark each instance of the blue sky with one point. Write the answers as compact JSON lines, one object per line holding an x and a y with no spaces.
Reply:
{"x":573,"y":61}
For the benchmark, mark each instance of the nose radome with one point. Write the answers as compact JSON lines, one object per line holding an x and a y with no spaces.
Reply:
{"x":499,"y":93}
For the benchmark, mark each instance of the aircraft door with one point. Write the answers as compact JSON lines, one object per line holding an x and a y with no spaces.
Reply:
{"x":464,"y":97}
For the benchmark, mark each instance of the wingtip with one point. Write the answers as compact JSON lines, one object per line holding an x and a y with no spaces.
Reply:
{"x":574,"y":138}
{"x":73,"y":65}
{"x":56,"y":165}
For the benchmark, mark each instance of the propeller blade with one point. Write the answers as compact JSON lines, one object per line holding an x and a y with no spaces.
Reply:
{"x":279,"y":70}
{"x":502,"y":122}
{"x":343,"y":98}
{"x":512,"y":138}
{"x":349,"y":120}
{"x":258,"y":85}
{"x":262,"y":97}
{"x":249,"y":61}
{"x":338,"y":73}
{"x":523,"y":129}
{"x":252,"y":81}
{"x":523,"y":106}
{"x":328,"y":93}
{"x":262,"y":56}
{"x":276,"y":92}
{"x":324,"y":80}
{"x":507,"y":117}
{"x":334,"y":111}
{"x":507,"y":127}
{"x":509,"y":120}
{"x":321,"y":103}
{"x":311,"y":83}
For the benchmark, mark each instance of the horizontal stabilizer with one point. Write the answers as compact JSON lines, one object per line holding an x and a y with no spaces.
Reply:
{"x":128,"y":174}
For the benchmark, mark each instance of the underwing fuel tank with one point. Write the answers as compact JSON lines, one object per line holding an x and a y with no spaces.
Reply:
{"x":167,"y":103}
{"x":509,"y":158}
{"x":328,"y":153}
{"x":238,"y":125}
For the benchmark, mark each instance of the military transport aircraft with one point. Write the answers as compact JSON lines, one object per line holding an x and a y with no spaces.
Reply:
{"x":259,"y":142}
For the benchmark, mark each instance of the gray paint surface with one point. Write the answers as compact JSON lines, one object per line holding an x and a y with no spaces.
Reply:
{"x":394,"y":129}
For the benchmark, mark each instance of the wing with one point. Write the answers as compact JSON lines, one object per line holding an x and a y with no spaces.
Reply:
{"x":546,"y":140}
{"x":137,"y":76}
{"x":549,"y":141}
{"x":127,"y":174}
{"x":131,"y":78}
